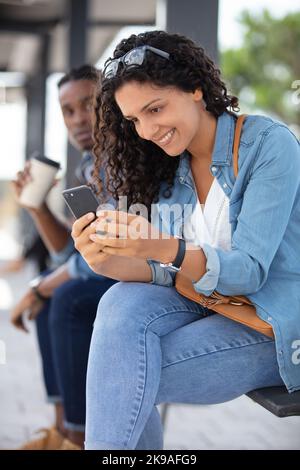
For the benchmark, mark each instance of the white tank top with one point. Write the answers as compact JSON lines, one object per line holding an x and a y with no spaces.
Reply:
{"x":210,"y":223}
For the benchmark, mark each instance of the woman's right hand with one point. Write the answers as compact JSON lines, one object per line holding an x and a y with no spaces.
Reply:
{"x":90,"y":251}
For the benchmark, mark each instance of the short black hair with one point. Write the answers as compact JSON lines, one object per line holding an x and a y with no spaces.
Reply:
{"x":85,"y":72}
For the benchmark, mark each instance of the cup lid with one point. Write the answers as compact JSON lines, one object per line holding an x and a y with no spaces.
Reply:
{"x":48,"y":161}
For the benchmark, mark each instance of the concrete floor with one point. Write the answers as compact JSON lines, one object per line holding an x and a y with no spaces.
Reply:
{"x":239,"y":424}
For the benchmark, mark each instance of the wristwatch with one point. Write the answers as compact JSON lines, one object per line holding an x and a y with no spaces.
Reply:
{"x":34,"y":284}
{"x":176,"y":264}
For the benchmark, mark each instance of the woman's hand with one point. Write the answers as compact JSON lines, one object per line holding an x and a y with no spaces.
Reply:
{"x":90,"y":251}
{"x":29,"y":303}
{"x":122,"y":234}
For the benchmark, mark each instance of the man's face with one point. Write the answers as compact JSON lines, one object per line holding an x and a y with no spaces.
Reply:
{"x":76,"y":101}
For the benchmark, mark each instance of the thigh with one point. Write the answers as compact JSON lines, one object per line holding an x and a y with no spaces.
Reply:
{"x":214,"y":360}
{"x":136,"y":307}
{"x":77,"y":301}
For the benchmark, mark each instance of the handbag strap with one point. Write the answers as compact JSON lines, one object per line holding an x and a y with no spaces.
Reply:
{"x":236,"y":142}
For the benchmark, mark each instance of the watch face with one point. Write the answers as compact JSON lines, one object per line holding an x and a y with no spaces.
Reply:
{"x":169,"y":266}
{"x":173,"y":268}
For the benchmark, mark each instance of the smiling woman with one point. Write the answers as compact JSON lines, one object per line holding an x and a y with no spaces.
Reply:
{"x":165,"y":125}
{"x":149,"y":97}
{"x":160,"y":120}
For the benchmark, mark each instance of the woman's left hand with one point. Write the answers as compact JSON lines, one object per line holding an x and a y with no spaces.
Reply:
{"x":123,"y":234}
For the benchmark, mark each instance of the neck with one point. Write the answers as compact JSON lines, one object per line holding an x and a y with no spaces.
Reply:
{"x":202,"y":146}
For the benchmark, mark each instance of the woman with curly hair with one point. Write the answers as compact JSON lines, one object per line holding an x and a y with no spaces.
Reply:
{"x":166,"y":123}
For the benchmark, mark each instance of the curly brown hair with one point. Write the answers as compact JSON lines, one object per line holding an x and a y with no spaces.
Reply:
{"x":135,"y":167}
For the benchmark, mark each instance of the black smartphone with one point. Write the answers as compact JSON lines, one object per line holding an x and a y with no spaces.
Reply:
{"x":80,"y":200}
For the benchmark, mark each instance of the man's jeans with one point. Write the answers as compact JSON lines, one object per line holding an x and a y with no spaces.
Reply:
{"x":64,"y":328}
{"x":150,"y":345}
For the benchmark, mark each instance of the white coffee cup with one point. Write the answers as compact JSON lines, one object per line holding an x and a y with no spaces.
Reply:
{"x":42,"y":171}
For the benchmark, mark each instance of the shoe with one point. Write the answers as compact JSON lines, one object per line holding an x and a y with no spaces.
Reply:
{"x":52,"y":439}
{"x":68,"y":445}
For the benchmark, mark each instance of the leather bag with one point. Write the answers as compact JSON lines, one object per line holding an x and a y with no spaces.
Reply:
{"x":238,"y":308}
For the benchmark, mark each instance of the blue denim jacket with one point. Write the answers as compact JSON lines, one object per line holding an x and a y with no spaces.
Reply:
{"x":264,"y":212}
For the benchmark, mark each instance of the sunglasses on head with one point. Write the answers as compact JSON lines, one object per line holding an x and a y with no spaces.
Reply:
{"x":132,"y":58}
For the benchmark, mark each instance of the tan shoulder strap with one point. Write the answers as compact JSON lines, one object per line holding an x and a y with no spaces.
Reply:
{"x":236,"y":143}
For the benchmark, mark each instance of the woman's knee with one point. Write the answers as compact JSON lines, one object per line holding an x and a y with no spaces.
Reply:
{"x":124,"y":305}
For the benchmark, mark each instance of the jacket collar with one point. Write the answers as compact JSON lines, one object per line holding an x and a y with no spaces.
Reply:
{"x":222,"y":153}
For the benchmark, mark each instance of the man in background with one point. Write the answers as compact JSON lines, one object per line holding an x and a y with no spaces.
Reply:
{"x":63,"y":304}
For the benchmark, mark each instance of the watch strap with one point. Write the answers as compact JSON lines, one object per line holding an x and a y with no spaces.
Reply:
{"x":38,"y":295}
{"x":180,"y":254}
{"x":176,"y":264}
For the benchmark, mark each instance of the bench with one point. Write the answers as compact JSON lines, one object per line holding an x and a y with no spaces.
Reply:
{"x":274,"y":399}
{"x":277,"y":400}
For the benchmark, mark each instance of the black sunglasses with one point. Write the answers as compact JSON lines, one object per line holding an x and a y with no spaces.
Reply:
{"x":132,"y":58}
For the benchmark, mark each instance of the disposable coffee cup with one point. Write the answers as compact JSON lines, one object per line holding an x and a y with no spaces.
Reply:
{"x":42,"y":171}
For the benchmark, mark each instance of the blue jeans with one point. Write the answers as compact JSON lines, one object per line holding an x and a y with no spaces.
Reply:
{"x":151,"y":345}
{"x":64,"y":328}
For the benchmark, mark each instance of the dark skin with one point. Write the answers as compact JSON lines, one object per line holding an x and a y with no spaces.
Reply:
{"x":76,"y":101}
{"x":75,"y":98}
{"x":175,"y":121}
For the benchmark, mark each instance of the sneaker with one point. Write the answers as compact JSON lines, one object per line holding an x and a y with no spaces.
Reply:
{"x":52,"y":439}
{"x":68,"y":445}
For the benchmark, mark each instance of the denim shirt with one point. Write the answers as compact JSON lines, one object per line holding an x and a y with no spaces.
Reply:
{"x":264,"y":213}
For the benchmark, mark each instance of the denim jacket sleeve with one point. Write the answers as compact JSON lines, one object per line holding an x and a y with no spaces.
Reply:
{"x":161,"y":276}
{"x":78,"y":268}
{"x":265,"y":211}
{"x":60,"y":257}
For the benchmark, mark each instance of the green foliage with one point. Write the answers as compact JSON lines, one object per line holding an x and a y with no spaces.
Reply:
{"x":262,"y":70}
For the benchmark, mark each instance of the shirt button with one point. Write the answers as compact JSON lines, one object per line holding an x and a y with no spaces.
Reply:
{"x":181,"y":179}
{"x":280,"y":352}
{"x":214,"y":169}
{"x":225,"y":185}
{"x":269,"y":318}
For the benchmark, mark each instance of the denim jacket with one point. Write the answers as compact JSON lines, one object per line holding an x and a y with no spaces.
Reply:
{"x":264,"y":213}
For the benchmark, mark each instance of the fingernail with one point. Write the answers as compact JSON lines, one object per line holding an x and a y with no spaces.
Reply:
{"x":90,"y":216}
{"x":100,"y":213}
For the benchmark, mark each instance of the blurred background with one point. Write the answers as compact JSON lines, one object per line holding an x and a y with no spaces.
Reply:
{"x":257,"y":45}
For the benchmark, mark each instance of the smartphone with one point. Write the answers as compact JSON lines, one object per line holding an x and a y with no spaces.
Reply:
{"x":80,"y":200}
